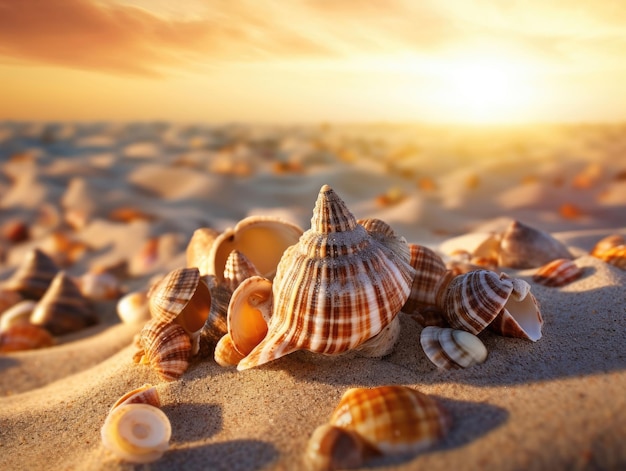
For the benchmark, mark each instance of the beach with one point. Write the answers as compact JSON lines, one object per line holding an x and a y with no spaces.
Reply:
{"x":127,"y":198}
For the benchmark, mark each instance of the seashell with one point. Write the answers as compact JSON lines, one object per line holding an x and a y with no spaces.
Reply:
{"x":383,"y":343}
{"x":225,"y":352}
{"x":607,"y":243}
{"x":8,"y":299}
{"x":238,"y":268}
{"x":451,"y":348}
{"x":132,"y":308}
{"x":522,"y":246}
{"x":262,"y":239}
{"x":199,"y":248}
{"x":429,"y":316}
{"x":431,"y":275}
{"x":166,"y":347}
{"x":332,"y":448}
{"x":335,"y":289}
{"x":137,"y":433}
{"x":99,"y":286}
{"x":64,"y":249}
{"x":392,"y":419}
{"x":249,"y":312}
{"x":383,"y":233}
{"x":33,"y":276}
{"x":474,"y":300}
{"x":182,"y":297}
{"x":558,"y":272}
{"x":146,"y":394}
{"x":15,"y":231}
{"x":24,"y":337}
{"x":17,"y":314}
{"x":63,"y":309}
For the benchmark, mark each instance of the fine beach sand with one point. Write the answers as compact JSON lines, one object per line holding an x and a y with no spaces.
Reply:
{"x":131,"y":196}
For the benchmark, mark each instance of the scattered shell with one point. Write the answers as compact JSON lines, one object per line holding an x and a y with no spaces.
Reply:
{"x":199,"y":248}
{"x":63,"y":309}
{"x":225,"y":352}
{"x":611,"y":249}
{"x":99,"y":286}
{"x":24,"y":337}
{"x":17,"y":314}
{"x":166,"y":347}
{"x":474,"y":300}
{"x":332,"y":448}
{"x":238,"y":268}
{"x":132,"y":308}
{"x":262,"y":239}
{"x":558,"y":272}
{"x":392,"y":419}
{"x":335,"y":289}
{"x":522,"y":246}
{"x":15,"y":231}
{"x":137,"y":433}
{"x":34,"y":275}
{"x":146,"y":394}
{"x":451,"y":348}
{"x":607,"y":243}
{"x":8,"y":299}
{"x":431,"y":276}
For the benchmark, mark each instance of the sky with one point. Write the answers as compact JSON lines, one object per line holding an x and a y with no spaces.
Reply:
{"x":286,"y":61}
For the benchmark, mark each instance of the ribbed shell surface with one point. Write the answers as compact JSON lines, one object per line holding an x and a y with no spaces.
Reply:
{"x":430,"y":271}
{"x":334,"y":289}
{"x":450,"y":348}
{"x":167,"y":347}
{"x":238,"y":268}
{"x":473,"y":300}
{"x":558,"y":272}
{"x":169,"y":296}
{"x":393,"y":419}
{"x":615,"y":256}
{"x":34,"y":275}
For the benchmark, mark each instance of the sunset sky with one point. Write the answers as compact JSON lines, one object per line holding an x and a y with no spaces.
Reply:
{"x":501,"y":61}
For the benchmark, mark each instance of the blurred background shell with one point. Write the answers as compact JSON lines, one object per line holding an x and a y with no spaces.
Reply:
{"x":33,"y":276}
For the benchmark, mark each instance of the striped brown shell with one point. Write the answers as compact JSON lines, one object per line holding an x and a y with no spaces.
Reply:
{"x":63,"y":309}
{"x":452,"y":348}
{"x":606,"y":243}
{"x":238,"y":268}
{"x":34,"y":275}
{"x":392,"y":419}
{"x":559,"y":272}
{"x":146,"y":394}
{"x":431,"y":276}
{"x":167,"y":348}
{"x":335,"y":289}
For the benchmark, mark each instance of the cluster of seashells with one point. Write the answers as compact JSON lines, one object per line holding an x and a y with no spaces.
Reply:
{"x":41,"y":301}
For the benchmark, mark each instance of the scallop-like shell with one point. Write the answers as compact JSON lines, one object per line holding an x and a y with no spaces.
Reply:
{"x":335,"y":289}
{"x":63,"y":309}
{"x":225,"y":352}
{"x":24,"y":337}
{"x":132,"y":308}
{"x":137,"y":433}
{"x":392,"y":419}
{"x":262,"y":239}
{"x":615,"y":256}
{"x":166,"y":347}
{"x":34,"y":275}
{"x":451,"y":348}
{"x":17,"y":314}
{"x":559,"y":272}
{"x":474,"y":300}
{"x":146,"y":394}
{"x":522,"y":246}
{"x":332,"y":448}
{"x":238,"y":268}
{"x":199,"y":248}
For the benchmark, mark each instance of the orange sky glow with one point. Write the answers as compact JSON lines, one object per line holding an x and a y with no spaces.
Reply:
{"x":443,"y":61}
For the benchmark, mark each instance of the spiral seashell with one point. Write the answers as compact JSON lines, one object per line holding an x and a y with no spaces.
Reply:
{"x":335,"y":289}
{"x":238,"y":268}
{"x":132,"y":308}
{"x":166,"y":347}
{"x":607,"y":243}
{"x":137,"y":433}
{"x":225,"y":352}
{"x":392,"y":419}
{"x":146,"y":394}
{"x":99,"y":286}
{"x":199,"y":248}
{"x":63,"y":309}
{"x":559,"y":272}
{"x":33,"y":276}
{"x":24,"y":337}
{"x":262,"y":239}
{"x":17,"y":314}
{"x":384,"y":233}
{"x":451,"y":348}
{"x":522,"y":246}
{"x":332,"y":448}
{"x":431,"y":276}
{"x":474,"y":300}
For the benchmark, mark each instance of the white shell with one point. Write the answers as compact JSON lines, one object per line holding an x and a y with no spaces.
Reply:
{"x":451,"y":348}
{"x":132,"y":308}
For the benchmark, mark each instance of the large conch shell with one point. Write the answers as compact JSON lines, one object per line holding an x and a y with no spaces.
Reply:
{"x":385,"y":419}
{"x":63,"y":309}
{"x":335,"y":289}
{"x":33,"y":276}
{"x":483,"y":298}
{"x":262,"y":239}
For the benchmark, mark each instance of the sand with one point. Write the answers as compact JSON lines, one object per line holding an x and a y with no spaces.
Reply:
{"x":130,"y":196}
